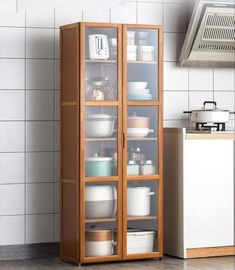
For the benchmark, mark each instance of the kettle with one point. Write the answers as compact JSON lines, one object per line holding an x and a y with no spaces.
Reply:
{"x":98,"y":47}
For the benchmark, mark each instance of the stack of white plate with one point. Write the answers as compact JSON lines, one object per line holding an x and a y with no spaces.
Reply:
{"x":138,"y":91}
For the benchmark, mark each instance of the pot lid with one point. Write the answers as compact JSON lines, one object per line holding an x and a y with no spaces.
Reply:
{"x":97,"y":158}
{"x":100,"y":193}
{"x":139,"y":232}
{"x":214,"y":108}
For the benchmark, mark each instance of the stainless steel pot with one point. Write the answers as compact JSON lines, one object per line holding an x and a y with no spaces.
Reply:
{"x":209,"y":115}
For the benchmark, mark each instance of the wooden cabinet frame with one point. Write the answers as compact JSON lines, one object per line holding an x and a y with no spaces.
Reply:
{"x":73,"y":178}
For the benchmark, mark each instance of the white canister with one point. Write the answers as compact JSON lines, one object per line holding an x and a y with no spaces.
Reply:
{"x":98,"y":243}
{"x":101,"y":201}
{"x":140,"y":241}
{"x":138,"y":201}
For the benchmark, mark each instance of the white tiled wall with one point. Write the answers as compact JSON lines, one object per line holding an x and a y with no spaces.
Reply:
{"x":29,"y":99}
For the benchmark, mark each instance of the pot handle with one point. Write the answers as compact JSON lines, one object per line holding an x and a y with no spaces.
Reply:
{"x":232,"y":112}
{"x":115,"y":201}
{"x":187,"y":112}
{"x":151,"y":193}
{"x":209,"y":102}
{"x":151,"y":130}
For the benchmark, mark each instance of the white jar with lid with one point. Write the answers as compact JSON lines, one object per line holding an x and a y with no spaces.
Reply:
{"x":145,"y":53}
{"x":132,"y":168}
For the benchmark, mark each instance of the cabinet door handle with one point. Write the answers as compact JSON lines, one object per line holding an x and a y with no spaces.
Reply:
{"x":123,"y":140}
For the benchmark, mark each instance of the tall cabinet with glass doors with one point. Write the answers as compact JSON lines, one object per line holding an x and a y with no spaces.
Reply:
{"x":111,"y":142}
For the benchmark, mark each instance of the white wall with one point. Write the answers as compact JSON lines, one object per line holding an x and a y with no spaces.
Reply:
{"x":29,"y":100}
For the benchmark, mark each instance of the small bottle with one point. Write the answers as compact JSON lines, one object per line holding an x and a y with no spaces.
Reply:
{"x":132,"y":168}
{"x":147,"y":168}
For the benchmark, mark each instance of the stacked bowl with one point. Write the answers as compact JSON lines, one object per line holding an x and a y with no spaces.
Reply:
{"x":138,"y":91}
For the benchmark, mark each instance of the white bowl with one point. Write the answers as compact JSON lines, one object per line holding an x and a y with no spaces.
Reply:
{"x":136,"y":85}
{"x":138,"y":132}
{"x":139,"y":92}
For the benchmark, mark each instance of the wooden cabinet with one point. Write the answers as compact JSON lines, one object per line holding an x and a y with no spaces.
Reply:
{"x":199,"y":194}
{"x":111,"y":142}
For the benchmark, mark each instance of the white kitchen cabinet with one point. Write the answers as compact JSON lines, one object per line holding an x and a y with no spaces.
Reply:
{"x":198,"y":193}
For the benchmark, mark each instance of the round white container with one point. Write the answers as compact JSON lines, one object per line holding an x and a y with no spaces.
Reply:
{"x":100,"y":201}
{"x":138,"y":201}
{"x":99,"y":125}
{"x":98,"y":243}
{"x":140,"y":241}
{"x":98,"y":248}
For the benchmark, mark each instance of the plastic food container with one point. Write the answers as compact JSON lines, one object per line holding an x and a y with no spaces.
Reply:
{"x":98,"y":166}
{"x":98,"y":243}
{"x":131,"y":52}
{"x":140,"y":241}
{"x":132,"y":168}
{"x":99,"y":125}
{"x":100,"y":201}
{"x":139,"y":201}
{"x":146,"y":53}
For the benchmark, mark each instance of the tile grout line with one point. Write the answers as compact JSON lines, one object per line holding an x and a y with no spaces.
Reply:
{"x":54,"y":104}
{"x":188,"y":96}
{"x":137,"y":11}
{"x":25,"y":142}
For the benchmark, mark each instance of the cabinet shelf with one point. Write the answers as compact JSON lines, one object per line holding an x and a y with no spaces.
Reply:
{"x":109,"y":139}
{"x":101,"y":61}
{"x":142,"y":62}
{"x":114,"y":219}
{"x":114,"y":139}
{"x":143,"y":177}
{"x":141,"y":139}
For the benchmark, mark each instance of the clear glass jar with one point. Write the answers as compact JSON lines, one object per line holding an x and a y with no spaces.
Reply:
{"x":147,"y":168}
{"x":137,"y":155}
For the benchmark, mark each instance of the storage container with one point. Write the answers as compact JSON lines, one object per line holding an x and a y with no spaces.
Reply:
{"x":132,"y":168}
{"x":140,"y":241}
{"x":147,"y":168}
{"x":100,"y":201}
{"x":146,"y":53}
{"x":98,"y":166}
{"x":138,"y":201}
{"x":98,"y":243}
{"x":99,"y":125}
{"x":131,"y":52}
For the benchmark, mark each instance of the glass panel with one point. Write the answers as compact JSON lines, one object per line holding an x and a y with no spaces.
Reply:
{"x":142,"y":147}
{"x":101,"y":219}
{"x":101,"y":141}
{"x":101,"y":67}
{"x":142,"y":212}
{"x":142,"y":69}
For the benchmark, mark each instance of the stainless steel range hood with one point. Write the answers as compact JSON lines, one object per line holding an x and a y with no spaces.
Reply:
{"x":210,"y":39}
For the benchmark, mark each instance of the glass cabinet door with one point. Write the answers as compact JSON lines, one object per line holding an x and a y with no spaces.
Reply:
{"x":142,"y":64}
{"x":141,"y":152}
{"x":101,"y":63}
{"x":101,"y":127}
